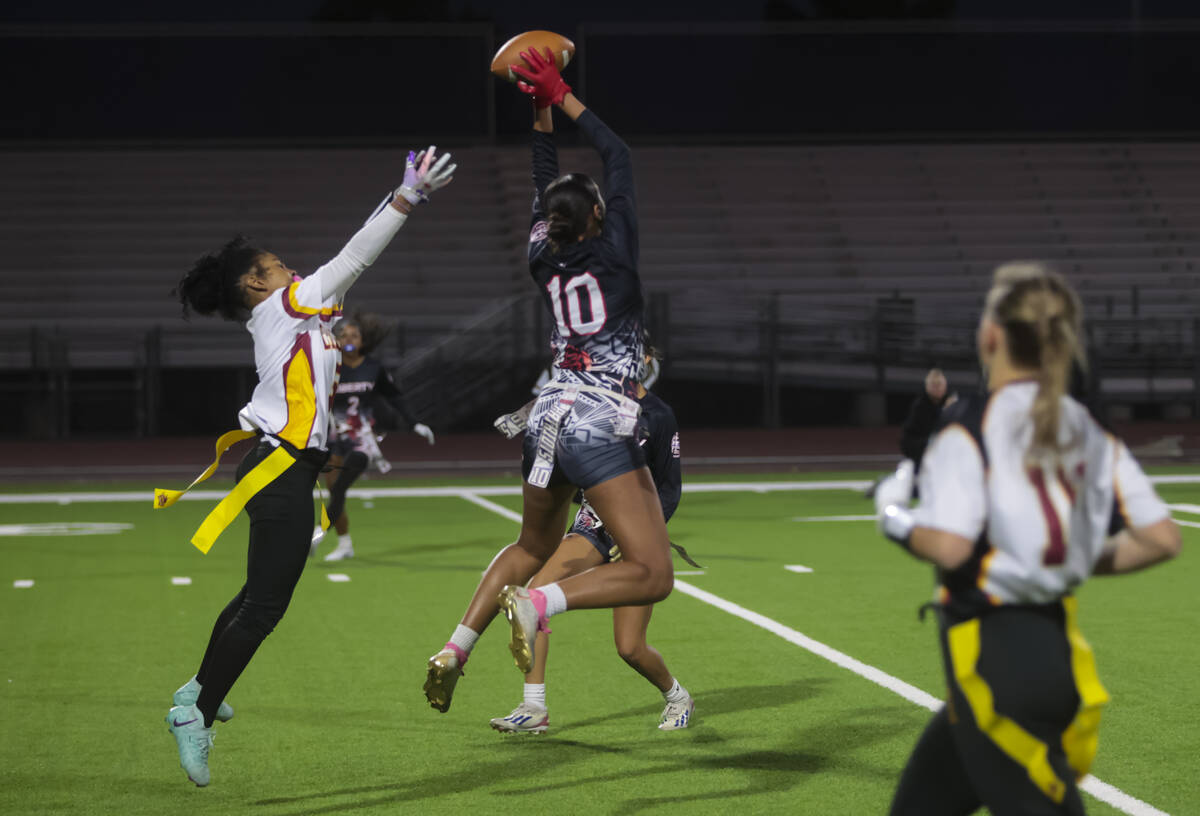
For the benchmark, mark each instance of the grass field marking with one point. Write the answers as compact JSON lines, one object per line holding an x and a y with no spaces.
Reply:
{"x":338,"y":577}
{"x":181,"y":580}
{"x":1194,"y":509}
{"x":1187,"y":523}
{"x":894,"y":684}
{"x":499,"y":510}
{"x":23,"y":583}
{"x":833,"y":518}
{"x":60,"y":528}
{"x":796,"y":568}
{"x":689,"y":572}
{"x":1118,"y":798}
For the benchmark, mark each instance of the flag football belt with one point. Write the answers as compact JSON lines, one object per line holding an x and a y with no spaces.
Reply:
{"x":261,"y":475}
{"x":551,"y":423}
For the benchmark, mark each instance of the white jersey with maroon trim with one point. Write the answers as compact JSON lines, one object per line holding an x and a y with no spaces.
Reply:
{"x":297,"y":359}
{"x":1038,"y":530}
{"x":295,"y":352}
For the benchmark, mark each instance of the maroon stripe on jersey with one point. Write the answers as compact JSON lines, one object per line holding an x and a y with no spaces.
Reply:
{"x":1056,"y":548}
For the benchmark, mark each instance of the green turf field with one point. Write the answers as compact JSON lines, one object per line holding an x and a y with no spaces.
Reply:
{"x":331,"y":717}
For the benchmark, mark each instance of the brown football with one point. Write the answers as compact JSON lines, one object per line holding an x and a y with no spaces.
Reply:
{"x":510,"y":53}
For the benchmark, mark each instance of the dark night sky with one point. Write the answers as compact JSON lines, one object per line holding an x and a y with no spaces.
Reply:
{"x":514,"y":13}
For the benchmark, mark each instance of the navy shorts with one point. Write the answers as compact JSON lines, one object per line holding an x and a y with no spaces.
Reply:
{"x":588,"y":525}
{"x":586,"y":465}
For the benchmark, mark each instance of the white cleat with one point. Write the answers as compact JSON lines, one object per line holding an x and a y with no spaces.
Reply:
{"x":340,"y":553}
{"x":677,"y":715}
{"x":524,"y":719}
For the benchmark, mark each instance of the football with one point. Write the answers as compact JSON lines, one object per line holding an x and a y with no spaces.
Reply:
{"x":510,"y":53}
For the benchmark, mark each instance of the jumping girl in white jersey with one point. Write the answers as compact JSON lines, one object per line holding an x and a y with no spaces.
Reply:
{"x":583,"y":256}
{"x":297,"y":359}
{"x":1023,"y":497}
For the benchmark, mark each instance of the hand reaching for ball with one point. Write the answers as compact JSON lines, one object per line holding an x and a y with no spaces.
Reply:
{"x":544,"y":83}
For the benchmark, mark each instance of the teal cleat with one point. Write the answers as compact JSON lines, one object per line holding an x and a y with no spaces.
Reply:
{"x":189,"y":692}
{"x":194,"y":741}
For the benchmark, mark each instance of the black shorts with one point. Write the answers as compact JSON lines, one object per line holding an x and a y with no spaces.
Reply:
{"x":585,"y":465}
{"x":343,"y":446}
{"x":1020,"y":725}
{"x":588,"y":525}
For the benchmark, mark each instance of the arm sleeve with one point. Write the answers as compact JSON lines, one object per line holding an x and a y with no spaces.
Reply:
{"x":390,"y":393}
{"x":620,"y":218}
{"x":952,"y":489}
{"x":332,"y":280}
{"x":1135,"y":504}
{"x":545,"y":170}
{"x":663,"y":461}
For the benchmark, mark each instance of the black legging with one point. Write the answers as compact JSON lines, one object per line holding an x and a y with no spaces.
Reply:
{"x":281,"y":517}
{"x":353,"y":466}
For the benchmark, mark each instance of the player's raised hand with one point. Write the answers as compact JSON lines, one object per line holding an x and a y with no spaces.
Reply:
{"x":425,"y":172}
{"x":544,"y":83}
{"x":424,"y":431}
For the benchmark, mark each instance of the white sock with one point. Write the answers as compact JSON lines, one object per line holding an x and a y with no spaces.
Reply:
{"x":535,"y":694}
{"x":556,"y":601}
{"x":676,"y":694}
{"x":344,"y":542}
{"x":464,"y":638}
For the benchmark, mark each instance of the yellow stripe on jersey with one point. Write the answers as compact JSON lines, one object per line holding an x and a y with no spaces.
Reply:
{"x":165,"y":498}
{"x":224,"y":513}
{"x":301,"y":400}
{"x":296,"y":306}
{"x":1025,"y":749}
{"x":1082,"y":736}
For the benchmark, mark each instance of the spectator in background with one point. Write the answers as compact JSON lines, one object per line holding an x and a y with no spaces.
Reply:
{"x":923,"y":416}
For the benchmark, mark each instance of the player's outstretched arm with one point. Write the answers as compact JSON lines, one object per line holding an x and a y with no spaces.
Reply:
{"x":424,"y":173}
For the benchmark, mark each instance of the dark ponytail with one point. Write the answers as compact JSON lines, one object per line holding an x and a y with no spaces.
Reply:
{"x":569,"y":202}
{"x":214,"y":283}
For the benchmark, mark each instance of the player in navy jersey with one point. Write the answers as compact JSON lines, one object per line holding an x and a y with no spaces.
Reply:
{"x":583,"y":257}
{"x":1023,"y":497}
{"x":363,"y":384}
{"x":588,"y":544}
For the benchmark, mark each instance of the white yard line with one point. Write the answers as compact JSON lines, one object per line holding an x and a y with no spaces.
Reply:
{"x":794,"y":568}
{"x":499,"y":510}
{"x":477,"y":490}
{"x":1101,"y":790}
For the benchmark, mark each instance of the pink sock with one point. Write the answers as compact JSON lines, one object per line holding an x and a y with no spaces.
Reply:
{"x":459,"y":652}
{"x":539,"y":603}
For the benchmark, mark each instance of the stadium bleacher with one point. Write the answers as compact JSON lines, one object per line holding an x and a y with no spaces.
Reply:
{"x":814,"y":238}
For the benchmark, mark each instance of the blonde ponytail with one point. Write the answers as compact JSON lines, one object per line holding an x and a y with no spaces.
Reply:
{"x":1042,"y":319}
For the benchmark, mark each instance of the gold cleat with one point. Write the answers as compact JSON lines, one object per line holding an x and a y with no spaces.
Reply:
{"x":523,"y":618}
{"x":444,"y":672}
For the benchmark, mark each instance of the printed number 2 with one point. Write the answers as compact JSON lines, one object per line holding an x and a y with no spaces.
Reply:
{"x":572,"y":322}
{"x":1055,"y":553}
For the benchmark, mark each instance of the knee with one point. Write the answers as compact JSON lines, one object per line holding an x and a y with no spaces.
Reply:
{"x":630,"y":649}
{"x":660,"y":580}
{"x":260,"y":620}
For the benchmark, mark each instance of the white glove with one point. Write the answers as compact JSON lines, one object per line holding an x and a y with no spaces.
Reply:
{"x":891,"y":503}
{"x":423,"y":430}
{"x":421,"y":179}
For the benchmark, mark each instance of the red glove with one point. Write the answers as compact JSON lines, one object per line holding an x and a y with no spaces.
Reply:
{"x":545,"y":84}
